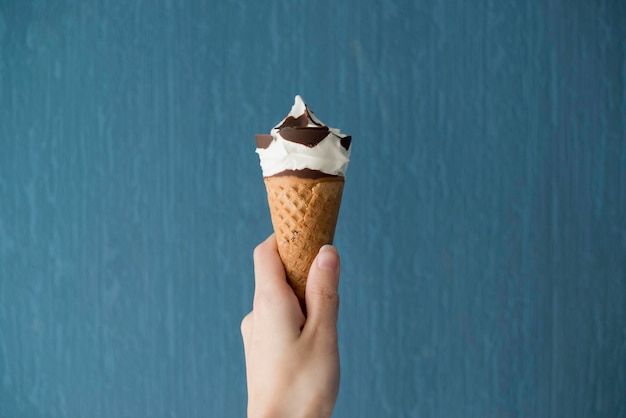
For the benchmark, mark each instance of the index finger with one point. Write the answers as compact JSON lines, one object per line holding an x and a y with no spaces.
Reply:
{"x":272,"y":295}
{"x":269,"y":272}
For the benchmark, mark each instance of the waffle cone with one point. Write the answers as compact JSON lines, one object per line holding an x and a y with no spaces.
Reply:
{"x":304,"y":215}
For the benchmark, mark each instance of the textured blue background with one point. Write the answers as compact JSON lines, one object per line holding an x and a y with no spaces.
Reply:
{"x":483,"y":230}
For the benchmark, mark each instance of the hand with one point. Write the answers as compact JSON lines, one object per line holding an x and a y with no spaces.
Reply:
{"x":292,"y":362}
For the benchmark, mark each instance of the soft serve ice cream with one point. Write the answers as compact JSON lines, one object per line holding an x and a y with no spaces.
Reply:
{"x":304,"y":165}
{"x":303,"y":146}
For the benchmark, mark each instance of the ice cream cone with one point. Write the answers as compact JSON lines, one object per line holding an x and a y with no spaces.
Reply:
{"x":304,"y":214}
{"x":304,"y":165}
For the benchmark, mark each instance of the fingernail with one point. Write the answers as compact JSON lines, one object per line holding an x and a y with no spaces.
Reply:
{"x":327,"y":258}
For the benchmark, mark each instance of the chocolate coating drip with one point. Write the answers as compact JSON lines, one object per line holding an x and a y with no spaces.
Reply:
{"x":305,"y":173}
{"x":345,"y":142}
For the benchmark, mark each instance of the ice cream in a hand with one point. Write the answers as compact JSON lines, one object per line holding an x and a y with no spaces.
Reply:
{"x":304,"y":164}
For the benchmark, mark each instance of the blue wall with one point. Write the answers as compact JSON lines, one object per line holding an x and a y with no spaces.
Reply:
{"x":483,"y":229}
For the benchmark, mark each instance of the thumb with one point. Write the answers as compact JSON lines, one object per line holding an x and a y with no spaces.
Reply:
{"x":322,"y":300}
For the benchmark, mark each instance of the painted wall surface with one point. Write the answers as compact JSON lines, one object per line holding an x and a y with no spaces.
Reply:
{"x":482,"y":232}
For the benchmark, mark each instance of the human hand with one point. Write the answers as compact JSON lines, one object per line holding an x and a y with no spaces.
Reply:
{"x":292,"y":362}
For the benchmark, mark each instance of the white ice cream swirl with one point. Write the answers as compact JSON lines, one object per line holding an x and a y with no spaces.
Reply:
{"x":302,"y":143}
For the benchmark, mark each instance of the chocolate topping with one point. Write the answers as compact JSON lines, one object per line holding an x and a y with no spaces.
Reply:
{"x":263,"y":140}
{"x":305,"y":136}
{"x":301,"y":121}
{"x":346,"y":141}
{"x":297,"y":130}
{"x":291,"y":122}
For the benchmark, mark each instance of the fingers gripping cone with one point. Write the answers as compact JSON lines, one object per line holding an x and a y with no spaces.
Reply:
{"x":304,"y":215}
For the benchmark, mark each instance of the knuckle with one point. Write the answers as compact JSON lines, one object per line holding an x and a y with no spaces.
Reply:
{"x":245,"y":324}
{"x":256,"y":254}
{"x":324,"y":293}
{"x":260,"y":251}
